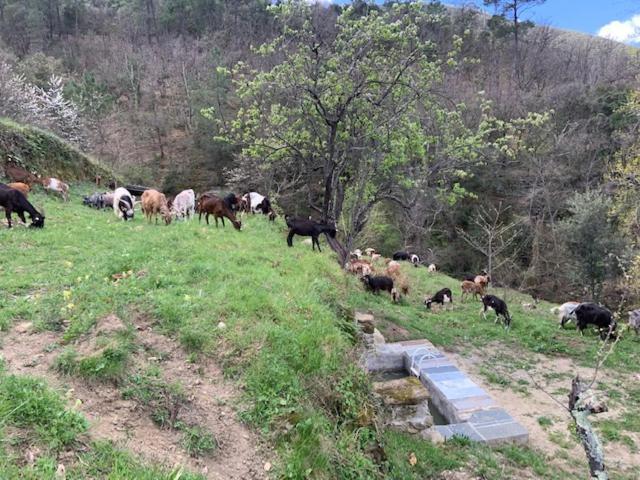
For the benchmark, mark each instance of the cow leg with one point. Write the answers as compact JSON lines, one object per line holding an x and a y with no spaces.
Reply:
{"x":290,"y":238}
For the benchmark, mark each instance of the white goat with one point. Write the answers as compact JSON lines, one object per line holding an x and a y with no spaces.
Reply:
{"x":565,"y":312}
{"x":184,"y":204}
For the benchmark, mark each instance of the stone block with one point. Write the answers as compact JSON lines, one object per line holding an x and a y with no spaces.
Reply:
{"x":402,"y":391}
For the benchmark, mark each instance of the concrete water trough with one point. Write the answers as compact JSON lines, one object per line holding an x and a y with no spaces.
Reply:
{"x":468,"y":410}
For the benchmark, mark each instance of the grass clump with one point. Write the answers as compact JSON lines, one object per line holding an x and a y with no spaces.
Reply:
{"x":163,"y":400}
{"x":197,"y":441}
{"x":27,"y":402}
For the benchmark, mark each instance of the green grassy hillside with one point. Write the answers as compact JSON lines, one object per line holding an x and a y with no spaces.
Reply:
{"x":288,"y":342}
{"x":45,"y":153}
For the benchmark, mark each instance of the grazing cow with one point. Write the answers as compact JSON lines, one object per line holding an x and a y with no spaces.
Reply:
{"x":498,"y":306}
{"x":211,"y":205}
{"x":51,"y":184}
{"x":634,"y":320}
{"x":468,"y":287}
{"x":184,"y":204}
{"x":154,"y":203}
{"x":21,"y":187}
{"x":565,"y":312}
{"x":377,"y":283}
{"x":593,"y":314}
{"x":308,"y":228}
{"x":123,"y":204}
{"x":441,"y":297}
{"x":14,"y":201}
{"x":18,"y":174}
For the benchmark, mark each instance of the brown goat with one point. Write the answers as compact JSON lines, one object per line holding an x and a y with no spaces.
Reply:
{"x":482,"y":280}
{"x":154,"y":203}
{"x":18,"y":174}
{"x":471,"y":287}
{"x":22,"y":187}
{"x":212,"y":205}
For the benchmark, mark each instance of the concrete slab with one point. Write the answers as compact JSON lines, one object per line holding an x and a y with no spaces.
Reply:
{"x":496,"y":434}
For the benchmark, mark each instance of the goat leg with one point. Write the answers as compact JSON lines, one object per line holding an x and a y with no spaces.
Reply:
{"x":8,"y":214}
{"x":290,"y":238}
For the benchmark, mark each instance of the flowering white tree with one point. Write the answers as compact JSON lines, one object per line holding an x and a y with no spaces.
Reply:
{"x":44,"y":107}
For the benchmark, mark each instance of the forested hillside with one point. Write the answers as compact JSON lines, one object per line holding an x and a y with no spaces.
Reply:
{"x":412,"y":126}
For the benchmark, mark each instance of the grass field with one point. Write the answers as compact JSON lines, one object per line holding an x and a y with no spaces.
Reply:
{"x":288,"y":345}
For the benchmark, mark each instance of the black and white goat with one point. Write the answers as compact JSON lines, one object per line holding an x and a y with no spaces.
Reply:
{"x":123,"y":204}
{"x":498,"y":306}
{"x":442,"y":297}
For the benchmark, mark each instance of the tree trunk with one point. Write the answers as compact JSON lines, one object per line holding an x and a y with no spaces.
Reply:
{"x":329,"y":169}
{"x":580,"y":409}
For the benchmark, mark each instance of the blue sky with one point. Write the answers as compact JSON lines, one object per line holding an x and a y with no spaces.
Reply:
{"x":616,"y":19}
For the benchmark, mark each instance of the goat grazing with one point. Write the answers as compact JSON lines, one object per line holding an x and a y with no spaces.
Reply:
{"x":232,"y":202}
{"x":211,"y":205}
{"x":498,"y":306}
{"x":14,"y":201}
{"x":21,"y":187}
{"x":377,"y":283}
{"x":95,"y":200}
{"x":51,"y":184}
{"x":565,"y":312}
{"x":123,"y":204}
{"x":308,"y":228}
{"x":256,"y":203}
{"x":432,"y":268}
{"x":592,"y":314}
{"x":441,"y":297}
{"x":154,"y":203}
{"x":184,"y":205}
{"x":468,"y":287}
{"x":359,"y":267}
{"x":19,"y":174}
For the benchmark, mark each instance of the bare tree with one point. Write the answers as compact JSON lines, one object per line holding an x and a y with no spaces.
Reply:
{"x":494,"y":237}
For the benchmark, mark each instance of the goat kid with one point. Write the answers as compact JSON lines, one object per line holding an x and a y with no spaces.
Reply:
{"x":441,"y":297}
{"x":14,"y":201}
{"x":498,"y":306}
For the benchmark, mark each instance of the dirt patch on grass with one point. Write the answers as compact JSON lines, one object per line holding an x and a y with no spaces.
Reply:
{"x":209,"y":401}
{"x":536,"y":396}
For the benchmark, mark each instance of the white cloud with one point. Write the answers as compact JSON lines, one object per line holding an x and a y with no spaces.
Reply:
{"x":626,"y":31}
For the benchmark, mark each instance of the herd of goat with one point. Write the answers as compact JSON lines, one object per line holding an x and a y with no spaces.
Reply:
{"x":376,"y":273}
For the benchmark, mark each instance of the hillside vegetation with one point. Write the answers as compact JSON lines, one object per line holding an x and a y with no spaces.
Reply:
{"x":46,"y":154}
{"x":288,"y":341}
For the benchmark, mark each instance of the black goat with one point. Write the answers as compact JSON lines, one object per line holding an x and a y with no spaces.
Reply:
{"x":232,"y":202}
{"x":592,"y":314}
{"x":308,"y":228}
{"x":401,"y":256}
{"x":14,"y":201}
{"x":375,"y":284}
{"x":498,"y":306}
{"x":441,"y":296}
